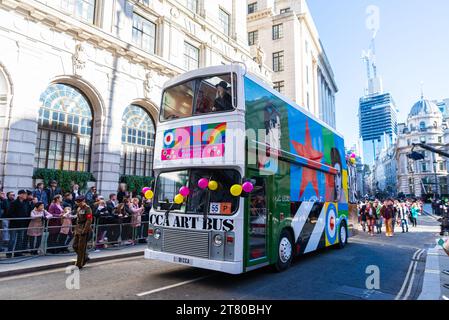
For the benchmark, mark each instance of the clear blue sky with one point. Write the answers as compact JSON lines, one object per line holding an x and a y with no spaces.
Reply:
{"x":412,"y":46}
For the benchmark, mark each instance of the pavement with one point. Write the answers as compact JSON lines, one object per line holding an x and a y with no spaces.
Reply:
{"x":435,"y":282}
{"x":369,"y":268}
{"x":24,"y":265}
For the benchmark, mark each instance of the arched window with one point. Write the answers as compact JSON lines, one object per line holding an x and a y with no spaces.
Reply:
{"x":137,"y":142}
{"x":64,"y":130}
{"x":422,"y":126}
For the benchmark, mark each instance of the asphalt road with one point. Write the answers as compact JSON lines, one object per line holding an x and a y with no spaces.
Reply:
{"x":329,"y":274}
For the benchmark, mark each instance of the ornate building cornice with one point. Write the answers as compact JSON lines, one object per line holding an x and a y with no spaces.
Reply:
{"x":84,"y":32}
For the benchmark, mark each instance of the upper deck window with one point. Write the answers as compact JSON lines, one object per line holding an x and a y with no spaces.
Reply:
{"x":199,"y":96}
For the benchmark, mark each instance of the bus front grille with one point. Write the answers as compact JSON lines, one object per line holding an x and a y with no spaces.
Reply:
{"x":185,"y":242}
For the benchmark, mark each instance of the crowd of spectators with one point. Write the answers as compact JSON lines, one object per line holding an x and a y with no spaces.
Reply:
{"x":26,"y":217}
{"x":391,"y":213}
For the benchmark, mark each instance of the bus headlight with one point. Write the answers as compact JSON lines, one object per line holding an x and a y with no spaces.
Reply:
{"x":157,"y":234}
{"x":218,"y":240}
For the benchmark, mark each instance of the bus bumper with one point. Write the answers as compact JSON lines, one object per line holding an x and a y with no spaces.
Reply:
{"x":222,"y":266}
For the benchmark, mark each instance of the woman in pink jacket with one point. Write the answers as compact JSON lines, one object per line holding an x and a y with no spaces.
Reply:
{"x":136,"y":218}
{"x":54,"y":225}
{"x":36,"y":226}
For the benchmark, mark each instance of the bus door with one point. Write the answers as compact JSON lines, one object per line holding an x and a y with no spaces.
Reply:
{"x":257,"y":222}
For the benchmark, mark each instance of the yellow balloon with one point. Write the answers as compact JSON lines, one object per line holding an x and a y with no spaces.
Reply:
{"x":149,"y":194}
{"x":236,"y":190}
{"x":213,"y":185}
{"x":179,"y":199}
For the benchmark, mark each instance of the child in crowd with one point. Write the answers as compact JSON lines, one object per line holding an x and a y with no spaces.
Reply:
{"x":65,"y":234}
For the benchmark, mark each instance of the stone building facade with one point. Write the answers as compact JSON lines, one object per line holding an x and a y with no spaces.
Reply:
{"x":86,"y":76}
{"x":424,"y":125}
{"x":282,"y":34}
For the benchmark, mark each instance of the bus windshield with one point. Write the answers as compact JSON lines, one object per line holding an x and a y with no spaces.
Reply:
{"x":199,"y":96}
{"x":199,"y":201}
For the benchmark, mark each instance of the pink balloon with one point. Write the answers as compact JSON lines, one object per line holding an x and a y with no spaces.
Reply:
{"x":247,"y":187}
{"x":353,"y":155}
{"x":184,"y":191}
{"x":203,"y":183}
{"x":144,"y":190}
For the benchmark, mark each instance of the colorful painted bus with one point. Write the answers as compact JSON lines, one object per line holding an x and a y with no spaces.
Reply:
{"x":221,"y":128}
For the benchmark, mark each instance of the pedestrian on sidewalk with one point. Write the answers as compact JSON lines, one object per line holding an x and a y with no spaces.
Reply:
{"x":18,"y":226}
{"x":415,"y":212}
{"x":395,"y":220}
{"x":379,"y":220}
{"x":3,"y":226}
{"x":41,"y":194}
{"x":10,"y":196}
{"x":136,"y":218}
{"x":101,"y":213}
{"x":53,"y":190}
{"x":82,"y":230}
{"x":65,"y":234}
{"x":387,"y":212}
{"x":36,"y":226}
{"x":371,"y":218}
{"x":112,"y":219}
{"x":363,"y":216}
{"x":76,"y":192}
{"x":403,"y":216}
{"x":54,"y":224}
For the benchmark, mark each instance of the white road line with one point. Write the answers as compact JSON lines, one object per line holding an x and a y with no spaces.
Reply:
{"x":172,"y":286}
{"x":410,"y":284}
{"x":431,"y":288}
{"x":408,"y":274}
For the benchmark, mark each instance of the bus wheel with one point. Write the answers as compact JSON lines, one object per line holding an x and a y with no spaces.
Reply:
{"x":343,"y":233}
{"x":285,"y":252}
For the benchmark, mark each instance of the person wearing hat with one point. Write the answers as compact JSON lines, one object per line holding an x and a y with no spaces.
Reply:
{"x":84,"y":218}
{"x":53,"y":190}
{"x":223,"y":102}
{"x":18,"y":212}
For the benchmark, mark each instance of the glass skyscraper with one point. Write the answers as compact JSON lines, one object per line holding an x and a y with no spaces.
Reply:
{"x":378,"y":124}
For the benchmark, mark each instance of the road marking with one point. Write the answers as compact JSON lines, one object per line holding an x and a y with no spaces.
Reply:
{"x":39,"y":273}
{"x":431,"y":288}
{"x":410,"y":284}
{"x":172,"y":286}
{"x":412,"y":263}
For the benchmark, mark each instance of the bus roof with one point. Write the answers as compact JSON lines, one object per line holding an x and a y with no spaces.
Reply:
{"x":238,"y":67}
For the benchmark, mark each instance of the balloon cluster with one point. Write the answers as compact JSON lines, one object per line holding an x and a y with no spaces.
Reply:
{"x":206,"y":183}
{"x":237,"y":189}
{"x":352,"y":159}
{"x":148,"y":193}
{"x":182,"y":194}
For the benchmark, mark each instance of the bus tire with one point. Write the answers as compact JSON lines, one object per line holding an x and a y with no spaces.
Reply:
{"x":343,"y":235}
{"x":285,"y":251}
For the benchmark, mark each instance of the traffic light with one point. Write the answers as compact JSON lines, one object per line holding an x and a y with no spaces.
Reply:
{"x":416,"y":156}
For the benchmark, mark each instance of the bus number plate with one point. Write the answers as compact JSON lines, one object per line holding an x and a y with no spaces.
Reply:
{"x":182,"y":260}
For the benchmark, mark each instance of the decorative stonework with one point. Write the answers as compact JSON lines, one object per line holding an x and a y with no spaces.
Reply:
{"x":148,"y":84}
{"x":79,"y":60}
{"x":260,"y":55}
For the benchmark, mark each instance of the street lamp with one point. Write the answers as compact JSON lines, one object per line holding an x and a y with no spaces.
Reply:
{"x":437,"y":185}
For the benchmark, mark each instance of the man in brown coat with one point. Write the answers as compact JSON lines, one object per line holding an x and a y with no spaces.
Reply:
{"x":82,"y":230}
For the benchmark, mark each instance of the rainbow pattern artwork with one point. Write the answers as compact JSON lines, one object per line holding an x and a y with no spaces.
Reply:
{"x":203,"y":141}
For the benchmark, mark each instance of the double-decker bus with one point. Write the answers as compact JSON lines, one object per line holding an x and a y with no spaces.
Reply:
{"x":221,"y":130}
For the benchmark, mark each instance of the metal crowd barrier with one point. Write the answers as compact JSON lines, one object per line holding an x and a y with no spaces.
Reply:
{"x":51,"y":237}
